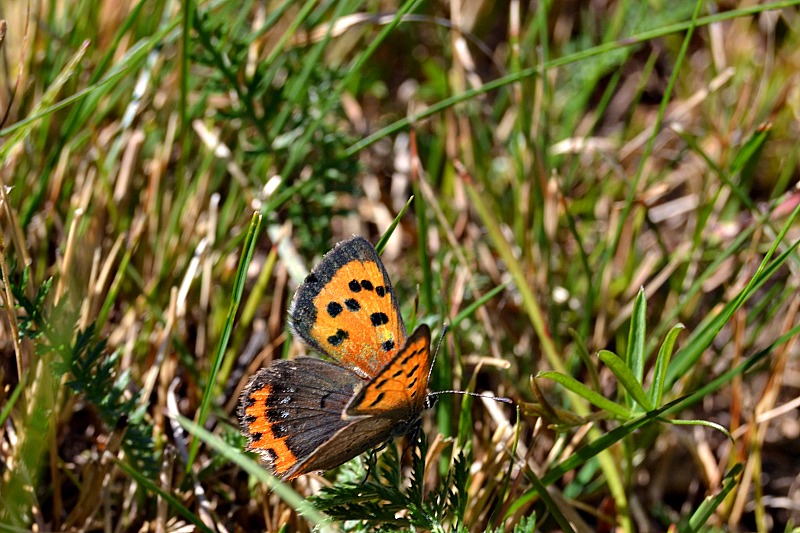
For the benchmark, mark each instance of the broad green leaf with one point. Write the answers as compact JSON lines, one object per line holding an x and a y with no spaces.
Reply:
{"x":586,"y":393}
{"x":636,"y":336}
{"x":625,"y":378}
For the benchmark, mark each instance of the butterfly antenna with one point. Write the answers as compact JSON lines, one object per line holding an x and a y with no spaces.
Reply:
{"x":437,"y":393}
{"x":475,"y":394}
{"x":441,"y":340}
{"x":438,"y":346}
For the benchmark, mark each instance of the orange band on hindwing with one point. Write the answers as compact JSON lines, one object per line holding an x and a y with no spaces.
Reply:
{"x":262,"y":439}
{"x":291,"y":408}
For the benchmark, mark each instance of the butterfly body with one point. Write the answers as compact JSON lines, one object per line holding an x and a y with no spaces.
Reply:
{"x":309,"y":414}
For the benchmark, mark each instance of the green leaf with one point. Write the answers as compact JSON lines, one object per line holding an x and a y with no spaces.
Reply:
{"x":625,"y":378}
{"x":662,"y":363}
{"x":710,"y":504}
{"x":705,"y":423}
{"x":586,"y":393}
{"x":388,"y":233}
{"x":636,"y":337}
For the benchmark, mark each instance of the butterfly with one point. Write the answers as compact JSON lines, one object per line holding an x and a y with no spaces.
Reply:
{"x":308,"y":414}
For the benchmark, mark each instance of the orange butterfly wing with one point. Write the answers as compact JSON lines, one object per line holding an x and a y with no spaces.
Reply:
{"x":309,"y":414}
{"x":400,"y":389}
{"x":347,"y":309}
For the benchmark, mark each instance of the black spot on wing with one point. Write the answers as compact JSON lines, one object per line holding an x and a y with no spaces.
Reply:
{"x":334,"y":308}
{"x":388,"y":346}
{"x":354,"y":285}
{"x":408,"y":358}
{"x":367,"y":285}
{"x":378,"y":319}
{"x":337,"y":339}
{"x":380,"y":291}
{"x":352,"y":304}
{"x":377,"y":400}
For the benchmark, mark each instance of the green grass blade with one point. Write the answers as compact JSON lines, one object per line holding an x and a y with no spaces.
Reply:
{"x":23,"y":128}
{"x":705,"y":423}
{"x":173,"y":502}
{"x":12,"y":400}
{"x":703,"y":337}
{"x":584,"y":454}
{"x":532,"y":308}
{"x":236,"y":298}
{"x":748,"y":154}
{"x":548,"y":501}
{"x":284,"y":491}
{"x":583,"y":55}
{"x":474,"y":306}
{"x":353,"y":70}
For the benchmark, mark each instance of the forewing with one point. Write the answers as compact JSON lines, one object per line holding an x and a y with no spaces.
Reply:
{"x":399,"y":390}
{"x":347,"y":308}
{"x":292,"y":407}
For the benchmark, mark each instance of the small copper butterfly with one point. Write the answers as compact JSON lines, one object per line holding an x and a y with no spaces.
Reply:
{"x":309,"y":414}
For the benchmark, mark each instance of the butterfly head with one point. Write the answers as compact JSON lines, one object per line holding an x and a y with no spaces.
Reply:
{"x":430,"y":401}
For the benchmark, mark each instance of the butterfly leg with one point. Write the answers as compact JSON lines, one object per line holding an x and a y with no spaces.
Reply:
{"x":372,"y":460}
